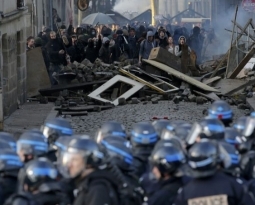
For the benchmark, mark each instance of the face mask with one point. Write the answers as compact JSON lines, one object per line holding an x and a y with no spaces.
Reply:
{"x":107,"y":44}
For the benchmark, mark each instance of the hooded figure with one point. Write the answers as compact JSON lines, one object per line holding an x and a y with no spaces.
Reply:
{"x":196,"y":42}
{"x":178,"y":48}
{"x":146,"y":46}
{"x":105,"y":52}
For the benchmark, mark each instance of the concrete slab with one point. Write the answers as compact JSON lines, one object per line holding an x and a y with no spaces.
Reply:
{"x":30,"y":115}
{"x":251,"y":102}
{"x":230,"y":86}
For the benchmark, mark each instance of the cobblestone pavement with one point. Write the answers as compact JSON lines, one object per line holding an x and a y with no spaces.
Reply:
{"x":130,"y":114}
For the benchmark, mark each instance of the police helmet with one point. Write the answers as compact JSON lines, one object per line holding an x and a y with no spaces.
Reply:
{"x":246,"y":126}
{"x":54,"y":128}
{"x":221,"y":110}
{"x":4,"y":145}
{"x":183,"y":131}
{"x":9,"y":138}
{"x":252,"y":114}
{"x":160,"y":125}
{"x":110,"y":139}
{"x":143,"y":134}
{"x":9,"y":161}
{"x":168,"y":159}
{"x":119,"y":154}
{"x":212,"y":129}
{"x":32,"y":143}
{"x":177,"y":123}
{"x":233,"y":137}
{"x":91,"y":153}
{"x":203,"y":159}
{"x":111,"y":128}
{"x":230,"y":159}
{"x":39,"y":171}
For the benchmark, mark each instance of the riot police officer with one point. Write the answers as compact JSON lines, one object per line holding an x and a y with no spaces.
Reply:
{"x":221,"y":110}
{"x":143,"y":139}
{"x":209,"y":183}
{"x":85,"y":161}
{"x":111,"y":128}
{"x":40,"y":185}
{"x":209,"y":128}
{"x":166,"y":162}
{"x":9,"y":169}
{"x":52,"y":130}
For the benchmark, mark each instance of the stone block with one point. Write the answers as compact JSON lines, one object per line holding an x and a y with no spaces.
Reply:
{"x":21,"y":60}
{"x":5,"y":42}
{"x":21,"y":47}
{"x":6,"y":71}
{"x":13,"y":69}
{"x":12,"y":83}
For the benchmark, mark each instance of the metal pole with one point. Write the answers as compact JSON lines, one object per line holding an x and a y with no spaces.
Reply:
{"x":1,"y":90}
{"x":51,"y":15}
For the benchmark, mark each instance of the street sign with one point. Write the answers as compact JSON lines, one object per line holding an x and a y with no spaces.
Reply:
{"x":249,"y":5}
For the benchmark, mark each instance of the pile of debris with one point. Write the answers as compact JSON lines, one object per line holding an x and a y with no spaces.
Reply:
{"x":86,"y":87}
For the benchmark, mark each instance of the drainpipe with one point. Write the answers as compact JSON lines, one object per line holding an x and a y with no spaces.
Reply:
{"x":51,"y":15}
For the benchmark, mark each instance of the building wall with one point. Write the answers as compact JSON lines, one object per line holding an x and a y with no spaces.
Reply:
{"x":13,"y":55}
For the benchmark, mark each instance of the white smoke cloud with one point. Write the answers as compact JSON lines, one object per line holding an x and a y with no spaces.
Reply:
{"x":137,"y":6}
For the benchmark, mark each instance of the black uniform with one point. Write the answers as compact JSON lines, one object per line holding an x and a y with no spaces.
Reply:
{"x":166,"y":193}
{"x":219,"y":187}
{"x":7,"y":187}
{"x":98,"y":188}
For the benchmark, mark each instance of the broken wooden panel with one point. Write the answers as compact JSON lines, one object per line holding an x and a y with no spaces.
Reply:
{"x":182,"y":76}
{"x":136,"y":86}
{"x":211,"y":96}
{"x":211,"y":80}
{"x":80,"y":86}
{"x":150,"y":85}
{"x":230,"y":86}
{"x":234,"y":61}
{"x":242,"y":64}
{"x":37,"y":75}
{"x":163,"y":56}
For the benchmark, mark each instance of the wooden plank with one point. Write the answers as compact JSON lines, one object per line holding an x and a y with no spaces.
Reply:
{"x":231,"y":47}
{"x":154,"y":87}
{"x":251,"y":102}
{"x":242,"y":64}
{"x":182,"y":76}
{"x":115,"y":93}
{"x":37,"y":75}
{"x":230,"y":86}
{"x":74,"y":113}
{"x":211,"y":96}
{"x":226,"y":55}
{"x":211,"y":80}
{"x":163,"y":56}
{"x":84,"y":108}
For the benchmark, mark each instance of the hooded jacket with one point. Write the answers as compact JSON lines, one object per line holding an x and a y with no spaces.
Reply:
{"x":146,"y":46}
{"x":178,"y":48}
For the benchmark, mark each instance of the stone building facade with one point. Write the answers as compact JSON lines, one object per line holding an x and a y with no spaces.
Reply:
{"x":12,"y":56}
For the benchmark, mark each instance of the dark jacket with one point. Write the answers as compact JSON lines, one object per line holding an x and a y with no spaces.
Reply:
{"x":92,"y":52}
{"x":53,"y":47}
{"x":217,"y":186}
{"x":166,"y":192}
{"x":98,"y":188}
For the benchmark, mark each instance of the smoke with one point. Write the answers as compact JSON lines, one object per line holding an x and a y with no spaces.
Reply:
{"x":225,"y":22}
{"x":132,"y":6}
